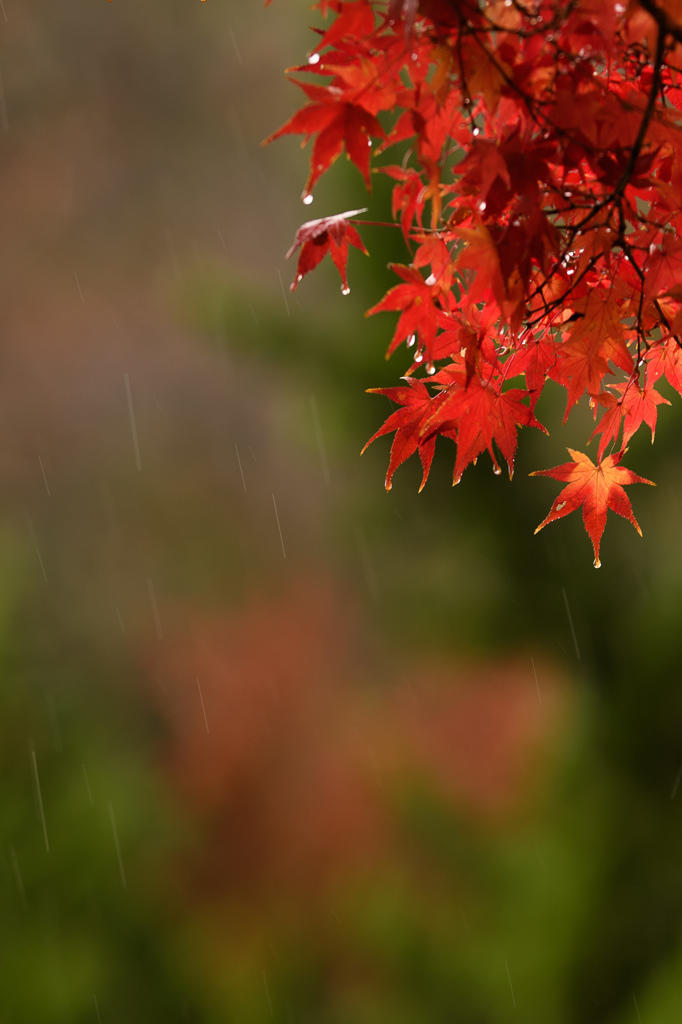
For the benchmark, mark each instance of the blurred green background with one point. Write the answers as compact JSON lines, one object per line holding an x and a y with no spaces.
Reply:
{"x":277,"y":746}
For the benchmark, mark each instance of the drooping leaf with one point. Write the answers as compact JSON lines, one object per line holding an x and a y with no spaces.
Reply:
{"x":415,"y":401}
{"x":325,"y":235}
{"x":416,"y":302}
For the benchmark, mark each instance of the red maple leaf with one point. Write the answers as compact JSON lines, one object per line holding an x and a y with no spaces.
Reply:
{"x":666,"y":360}
{"x":635,"y":406}
{"x":597,"y":488}
{"x":407,"y":423}
{"x":537,"y":359}
{"x":418,"y":312}
{"x":340,"y":114}
{"x":326,"y":235}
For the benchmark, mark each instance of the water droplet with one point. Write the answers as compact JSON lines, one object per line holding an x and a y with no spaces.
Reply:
{"x":307,"y":198}
{"x":476,"y":131}
{"x":430,"y":369}
{"x":411,"y":340}
{"x":419,"y":357}
{"x":345,"y":290}
{"x":597,"y":563}
{"x":496,"y":469}
{"x":482,"y":205}
{"x":314,"y":58}
{"x":560,"y":506}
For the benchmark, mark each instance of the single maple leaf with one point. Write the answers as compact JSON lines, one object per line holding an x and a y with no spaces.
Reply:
{"x":537,"y":358}
{"x":336,"y":123}
{"x":416,"y":402}
{"x":579,"y":368}
{"x":418,"y":312}
{"x":609,"y":424}
{"x":635,"y":406}
{"x":485,"y":76}
{"x":665,"y":359}
{"x":597,"y":488}
{"x":354,"y":20}
{"x":663,"y":269}
{"x":325,"y":235}
{"x":407,"y":200}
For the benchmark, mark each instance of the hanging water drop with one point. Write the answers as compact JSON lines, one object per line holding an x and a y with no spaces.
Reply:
{"x":430,"y":369}
{"x":307,"y":198}
{"x":314,"y":58}
{"x":597,"y":563}
{"x":419,"y":357}
{"x":496,"y":469}
{"x":345,"y":290}
{"x":411,"y":340}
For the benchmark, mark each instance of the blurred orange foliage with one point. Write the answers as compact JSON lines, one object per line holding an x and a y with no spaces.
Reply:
{"x":289,"y":749}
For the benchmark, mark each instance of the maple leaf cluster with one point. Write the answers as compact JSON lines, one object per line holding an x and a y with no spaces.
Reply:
{"x":539,"y":190}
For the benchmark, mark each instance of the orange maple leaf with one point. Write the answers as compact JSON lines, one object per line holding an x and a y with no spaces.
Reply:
{"x":597,"y":488}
